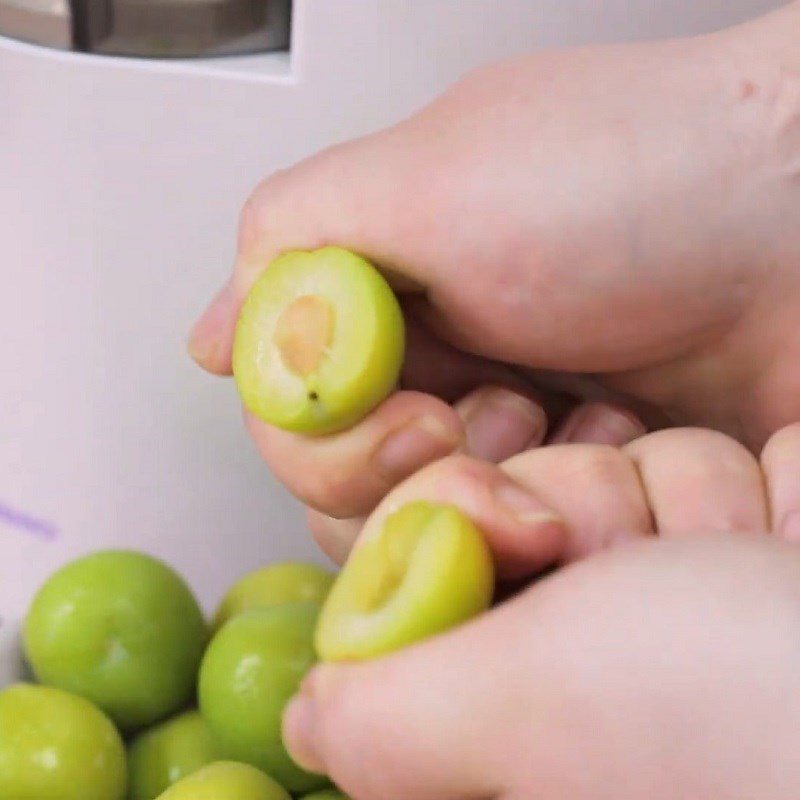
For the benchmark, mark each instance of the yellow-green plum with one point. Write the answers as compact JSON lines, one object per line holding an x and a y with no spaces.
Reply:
{"x":319,"y":342}
{"x":57,"y":746}
{"x":291,"y":582}
{"x":427,"y":569}
{"x":252,"y":667}
{"x":121,"y":629}
{"x":162,"y":755}
{"x":226,"y":780}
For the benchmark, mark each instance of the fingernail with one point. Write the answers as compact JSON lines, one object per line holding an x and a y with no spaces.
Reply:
{"x":524,"y":506}
{"x":500,"y":423}
{"x":418,"y":443}
{"x":299,"y":732}
{"x":790,"y":528}
{"x":208,"y":332}
{"x":600,"y":424}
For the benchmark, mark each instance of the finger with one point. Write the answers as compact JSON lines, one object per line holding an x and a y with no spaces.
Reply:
{"x":594,"y":488}
{"x":525,"y":535}
{"x":346,"y":474}
{"x":598,"y":423}
{"x":423,"y":742}
{"x":499,"y":423}
{"x":349,"y":194}
{"x":335,"y":537}
{"x":432,"y":365}
{"x":700,"y":480}
{"x":780,"y":462}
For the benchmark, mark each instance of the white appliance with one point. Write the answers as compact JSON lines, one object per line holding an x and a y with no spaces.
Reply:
{"x":121,"y":176}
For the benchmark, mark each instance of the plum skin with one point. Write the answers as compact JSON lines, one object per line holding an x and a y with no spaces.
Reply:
{"x":85,"y":754}
{"x":319,"y":342}
{"x":122,"y":629}
{"x":251,"y":669}
{"x":167,"y":752}
{"x":288,"y":582}
{"x":226,"y":780}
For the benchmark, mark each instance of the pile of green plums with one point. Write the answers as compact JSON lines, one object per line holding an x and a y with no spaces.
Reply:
{"x":123,"y":656}
{"x":137,"y":696}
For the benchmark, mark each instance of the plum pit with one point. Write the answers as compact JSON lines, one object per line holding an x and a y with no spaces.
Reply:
{"x":304,"y":333}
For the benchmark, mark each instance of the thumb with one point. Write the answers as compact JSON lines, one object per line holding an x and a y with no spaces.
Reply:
{"x":348,"y":195}
{"x":430,"y":722}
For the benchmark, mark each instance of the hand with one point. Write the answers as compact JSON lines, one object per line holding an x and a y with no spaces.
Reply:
{"x":619,"y":223}
{"x":663,"y":669}
{"x":496,"y":423}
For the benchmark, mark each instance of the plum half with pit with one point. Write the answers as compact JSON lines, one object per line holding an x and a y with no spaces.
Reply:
{"x":319,"y":342}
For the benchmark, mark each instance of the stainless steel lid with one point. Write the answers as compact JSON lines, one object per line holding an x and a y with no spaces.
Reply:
{"x":150,"y":28}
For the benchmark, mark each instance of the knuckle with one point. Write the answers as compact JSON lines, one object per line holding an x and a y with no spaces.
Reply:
{"x":690,"y":441}
{"x":310,"y":479}
{"x":254,"y":216}
{"x":457,"y":479}
{"x":777,"y":127}
{"x":601,"y":464}
{"x":782,"y":445}
{"x":331,"y":493}
{"x":459,"y":472}
{"x":482,"y":79}
{"x":249,"y":220}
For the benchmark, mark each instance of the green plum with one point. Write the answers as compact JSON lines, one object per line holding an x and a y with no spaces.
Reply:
{"x":319,"y":342}
{"x":226,"y":780}
{"x":252,"y":667}
{"x":428,"y":569}
{"x":278,"y":583}
{"x":325,"y":794}
{"x":57,"y":746}
{"x":164,"y":754}
{"x":121,"y":629}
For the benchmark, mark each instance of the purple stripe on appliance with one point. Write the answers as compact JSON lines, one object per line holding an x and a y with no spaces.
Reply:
{"x":25,"y":522}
